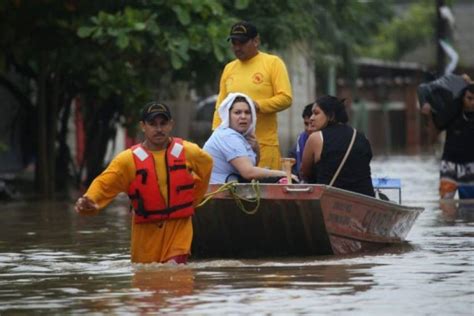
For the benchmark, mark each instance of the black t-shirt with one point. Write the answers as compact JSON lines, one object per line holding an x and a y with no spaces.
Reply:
{"x":459,"y":144}
{"x":355,"y":175}
{"x":445,"y":98}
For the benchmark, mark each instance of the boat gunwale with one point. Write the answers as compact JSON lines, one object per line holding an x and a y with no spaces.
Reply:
{"x":322,"y":189}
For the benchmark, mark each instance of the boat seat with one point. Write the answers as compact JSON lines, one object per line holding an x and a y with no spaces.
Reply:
{"x":387,"y":187}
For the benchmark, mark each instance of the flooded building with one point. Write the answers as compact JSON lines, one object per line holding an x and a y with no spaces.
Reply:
{"x":383,"y":104}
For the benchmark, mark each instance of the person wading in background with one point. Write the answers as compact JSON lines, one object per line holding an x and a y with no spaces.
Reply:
{"x":449,"y":101}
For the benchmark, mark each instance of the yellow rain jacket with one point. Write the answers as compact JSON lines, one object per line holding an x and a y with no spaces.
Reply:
{"x":265,"y":79}
{"x":157,"y":241}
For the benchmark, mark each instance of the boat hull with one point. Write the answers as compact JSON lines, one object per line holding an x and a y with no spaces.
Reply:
{"x":297,"y":220}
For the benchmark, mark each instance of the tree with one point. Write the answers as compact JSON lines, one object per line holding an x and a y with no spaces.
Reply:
{"x":332,"y":28}
{"x":113,"y":53}
{"x":116,"y":55}
{"x":38,"y":42}
{"x":403,"y":33}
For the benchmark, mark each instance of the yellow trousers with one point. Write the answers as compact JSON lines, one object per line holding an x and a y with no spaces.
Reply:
{"x":270,"y":157}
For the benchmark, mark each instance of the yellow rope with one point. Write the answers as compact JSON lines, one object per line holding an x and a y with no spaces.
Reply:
{"x":238,"y":198}
{"x":210,"y":195}
{"x":232,"y":188}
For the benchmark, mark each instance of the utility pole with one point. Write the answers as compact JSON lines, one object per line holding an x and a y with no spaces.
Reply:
{"x":441,"y":33}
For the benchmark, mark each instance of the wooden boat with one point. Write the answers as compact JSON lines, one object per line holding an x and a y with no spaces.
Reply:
{"x":296,"y":220}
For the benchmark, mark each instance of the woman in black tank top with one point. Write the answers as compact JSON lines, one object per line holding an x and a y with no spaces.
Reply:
{"x":327,"y":146}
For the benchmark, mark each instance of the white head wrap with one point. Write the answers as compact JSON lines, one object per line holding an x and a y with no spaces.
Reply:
{"x":224,"y":110}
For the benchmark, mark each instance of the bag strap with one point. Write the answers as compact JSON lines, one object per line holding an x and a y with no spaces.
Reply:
{"x":345,"y":158}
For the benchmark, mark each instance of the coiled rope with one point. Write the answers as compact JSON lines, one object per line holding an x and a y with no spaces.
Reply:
{"x":238,"y":199}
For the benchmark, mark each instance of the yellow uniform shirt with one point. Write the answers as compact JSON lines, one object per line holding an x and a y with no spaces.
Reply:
{"x":157,"y":241}
{"x":265,"y":79}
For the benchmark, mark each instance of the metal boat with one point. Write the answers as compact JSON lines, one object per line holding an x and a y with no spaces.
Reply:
{"x":267,"y":220}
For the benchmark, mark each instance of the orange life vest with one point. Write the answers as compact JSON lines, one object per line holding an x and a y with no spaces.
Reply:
{"x":144,"y":191}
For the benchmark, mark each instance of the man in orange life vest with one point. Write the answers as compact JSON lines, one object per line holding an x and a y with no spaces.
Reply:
{"x":165,"y":178}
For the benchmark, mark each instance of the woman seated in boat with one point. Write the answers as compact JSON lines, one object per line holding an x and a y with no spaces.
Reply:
{"x":233,"y":145}
{"x":327,"y":147}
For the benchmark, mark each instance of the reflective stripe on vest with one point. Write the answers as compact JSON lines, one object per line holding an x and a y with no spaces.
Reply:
{"x":144,"y":191}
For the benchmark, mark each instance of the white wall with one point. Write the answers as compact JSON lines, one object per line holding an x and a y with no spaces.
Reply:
{"x":302,"y":76}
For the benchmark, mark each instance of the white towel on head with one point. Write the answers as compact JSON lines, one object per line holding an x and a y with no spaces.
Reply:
{"x":224,"y":108}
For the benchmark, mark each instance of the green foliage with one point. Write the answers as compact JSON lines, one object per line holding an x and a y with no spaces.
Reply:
{"x":280,"y":22}
{"x":403,"y":33}
{"x":344,"y":25}
{"x":3,"y":147}
{"x":133,"y":48}
{"x":129,"y":51}
{"x":114,"y":54}
{"x":330,"y":28}
{"x":154,"y":44}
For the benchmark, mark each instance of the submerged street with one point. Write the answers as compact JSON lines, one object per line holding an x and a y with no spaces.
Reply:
{"x":53,"y":261}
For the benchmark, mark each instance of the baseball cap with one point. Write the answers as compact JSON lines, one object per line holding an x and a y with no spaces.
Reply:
{"x":242,"y":31}
{"x":153,"y":109}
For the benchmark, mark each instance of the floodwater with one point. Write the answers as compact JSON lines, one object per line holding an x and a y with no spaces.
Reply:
{"x":55,"y":262}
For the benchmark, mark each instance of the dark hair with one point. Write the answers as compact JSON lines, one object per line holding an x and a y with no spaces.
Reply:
{"x":333,"y":108}
{"x":470,"y":88}
{"x":308,"y":110}
{"x":239,"y":99}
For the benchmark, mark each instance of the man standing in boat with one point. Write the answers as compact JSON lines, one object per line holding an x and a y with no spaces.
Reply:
{"x":165,"y":177}
{"x":264,"y":78}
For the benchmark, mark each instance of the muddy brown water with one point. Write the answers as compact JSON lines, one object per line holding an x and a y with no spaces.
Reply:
{"x":53,"y":261}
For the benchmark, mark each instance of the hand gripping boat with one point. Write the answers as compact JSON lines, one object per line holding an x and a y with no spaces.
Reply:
{"x":265,"y":220}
